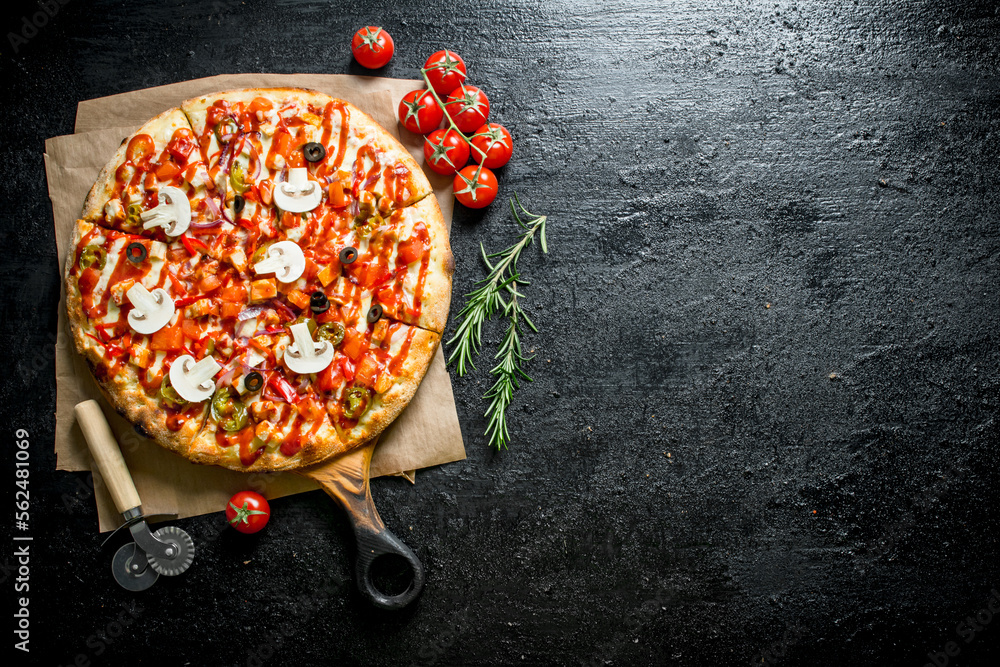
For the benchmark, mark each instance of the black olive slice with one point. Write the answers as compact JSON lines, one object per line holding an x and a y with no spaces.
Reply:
{"x":374,"y":314}
{"x":254,"y":381}
{"x":136,"y":252}
{"x":314,"y":151}
{"x":238,"y":203}
{"x":348,"y":255}
{"x":318,"y":303}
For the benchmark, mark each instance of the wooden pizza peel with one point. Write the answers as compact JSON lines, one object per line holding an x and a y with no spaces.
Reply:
{"x":345,"y":478}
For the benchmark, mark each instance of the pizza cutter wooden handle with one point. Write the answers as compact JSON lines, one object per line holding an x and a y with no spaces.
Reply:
{"x":107,"y":455}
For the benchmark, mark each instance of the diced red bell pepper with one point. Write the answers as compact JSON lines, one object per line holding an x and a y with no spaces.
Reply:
{"x":284,"y":389}
{"x":185,"y":301}
{"x":168,"y":338}
{"x":181,"y":145}
{"x":330,"y":378}
{"x":193,"y":245}
{"x":235,"y":294}
{"x":367,"y":371}
{"x":260,"y":104}
{"x":191,"y":329}
{"x":209,"y":283}
{"x":347,"y":368}
{"x":411,"y":250}
{"x":167,"y":171}
{"x":354,"y":344}
{"x":336,"y":196}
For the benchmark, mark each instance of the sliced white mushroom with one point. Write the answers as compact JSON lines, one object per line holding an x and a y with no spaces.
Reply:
{"x":285,"y":260}
{"x":151,"y":311}
{"x":193,"y":379}
{"x":306,"y":355}
{"x":298,"y":194}
{"x":173,"y":213}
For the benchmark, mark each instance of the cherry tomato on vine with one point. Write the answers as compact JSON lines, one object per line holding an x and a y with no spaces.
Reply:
{"x":445,"y":151}
{"x":419,"y":112}
{"x":475,"y":187}
{"x":248,"y":511}
{"x":372,"y":47}
{"x":494,"y":140}
{"x":468,"y":107}
{"x":446,"y":71}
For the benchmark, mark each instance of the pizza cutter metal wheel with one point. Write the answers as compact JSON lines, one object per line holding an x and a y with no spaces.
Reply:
{"x":131,"y":569}
{"x":180,"y":551}
{"x":168,"y":551}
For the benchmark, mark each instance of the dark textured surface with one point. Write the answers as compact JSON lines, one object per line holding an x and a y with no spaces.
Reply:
{"x":766,"y":399}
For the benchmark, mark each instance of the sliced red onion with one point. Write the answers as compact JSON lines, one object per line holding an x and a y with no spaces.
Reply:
{"x":368,"y":181}
{"x":226,"y":377}
{"x":219,"y":213}
{"x":271,"y":395}
{"x":224,"y":157}
{"x":282,"y":308}
{"x":207,"y":225}
{"x":255,"y":162}
{"x":247,"y":368}
{"x":213,"y":206}
{"x":303,"y":384}
{"x":250,"y":313}
{"x":269,"y":331}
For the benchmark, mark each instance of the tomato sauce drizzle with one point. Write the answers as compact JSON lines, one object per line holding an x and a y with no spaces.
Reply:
{"x":321,"y":237}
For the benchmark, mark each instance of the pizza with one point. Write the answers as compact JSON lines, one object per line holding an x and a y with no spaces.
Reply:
{"x":259,"y":278}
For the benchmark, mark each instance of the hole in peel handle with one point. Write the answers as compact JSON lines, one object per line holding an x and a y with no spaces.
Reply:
{"x":371,"y":545}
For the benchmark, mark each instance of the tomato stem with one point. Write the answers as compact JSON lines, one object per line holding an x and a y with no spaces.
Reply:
{"x":243,"y":513}
{"x":430,"y":88}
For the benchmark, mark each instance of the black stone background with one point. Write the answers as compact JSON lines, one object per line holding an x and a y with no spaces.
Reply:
{"x":764,"y":415}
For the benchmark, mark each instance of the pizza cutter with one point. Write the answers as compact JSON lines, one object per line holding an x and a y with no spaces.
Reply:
{"x":137,"y":565}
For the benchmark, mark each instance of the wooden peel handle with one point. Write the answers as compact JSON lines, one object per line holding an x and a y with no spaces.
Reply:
{"x":107,"y":455}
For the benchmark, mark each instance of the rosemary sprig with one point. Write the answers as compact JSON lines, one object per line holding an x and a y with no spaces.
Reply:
{"x":498,"y":292}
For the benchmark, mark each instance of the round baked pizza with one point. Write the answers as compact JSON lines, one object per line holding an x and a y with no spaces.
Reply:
{"x":259,"y":278}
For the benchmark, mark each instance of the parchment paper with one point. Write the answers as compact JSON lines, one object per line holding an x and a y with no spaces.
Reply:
{"x":426,"y":433}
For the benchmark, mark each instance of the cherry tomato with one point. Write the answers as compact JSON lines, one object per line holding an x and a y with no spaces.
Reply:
{"x":419,"y":112}
{"x":445,"y":151}
{"x":493,"y":140}
{"x":468,"y":107}
{"x":475,"y":187}
{"x":445,"y":71}
{"x":248,"y":511}
{"x":372,"y":47}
